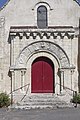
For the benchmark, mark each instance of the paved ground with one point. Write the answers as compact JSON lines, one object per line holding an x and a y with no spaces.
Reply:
{"x":48,"y":114}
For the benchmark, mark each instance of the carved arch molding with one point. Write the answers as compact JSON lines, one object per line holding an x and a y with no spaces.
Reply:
{"x":42,"y":46}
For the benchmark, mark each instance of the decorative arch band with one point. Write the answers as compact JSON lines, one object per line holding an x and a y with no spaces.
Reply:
{"x":43,"y":46}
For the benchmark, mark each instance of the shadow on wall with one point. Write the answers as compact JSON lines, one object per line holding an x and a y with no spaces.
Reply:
{"x":79,"y":58}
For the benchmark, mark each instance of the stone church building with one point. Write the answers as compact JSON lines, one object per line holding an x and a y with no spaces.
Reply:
{"x":39,"y":47}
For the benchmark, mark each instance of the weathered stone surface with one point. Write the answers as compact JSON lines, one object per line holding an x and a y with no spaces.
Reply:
{"x":42,"y":101}
{"x":21,"y":42}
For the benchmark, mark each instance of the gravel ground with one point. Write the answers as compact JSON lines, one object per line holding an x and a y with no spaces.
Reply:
{"x":38,"y":114}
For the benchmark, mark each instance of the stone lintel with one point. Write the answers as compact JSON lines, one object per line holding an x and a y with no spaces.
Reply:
{"x":12,"y":68}
{"x":71,"y":68}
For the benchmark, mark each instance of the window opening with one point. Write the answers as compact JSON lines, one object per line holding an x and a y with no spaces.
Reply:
{"x":42,"y":17}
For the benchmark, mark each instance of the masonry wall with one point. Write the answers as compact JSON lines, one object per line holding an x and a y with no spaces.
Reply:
{"x":23,"y":13}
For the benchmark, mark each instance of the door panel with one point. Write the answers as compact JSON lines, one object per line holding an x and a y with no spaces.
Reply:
{"x":47,"y":77}
{"x":42,"y":76}
{"x":37,"y":77}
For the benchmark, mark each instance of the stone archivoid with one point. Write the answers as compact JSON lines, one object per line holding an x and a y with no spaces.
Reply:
{"x":42,"y":46}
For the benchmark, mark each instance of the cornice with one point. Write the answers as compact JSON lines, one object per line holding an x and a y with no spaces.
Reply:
{"x":54,"y":32}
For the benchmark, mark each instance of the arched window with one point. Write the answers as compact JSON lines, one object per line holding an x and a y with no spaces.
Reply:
{"x":42,"y":17}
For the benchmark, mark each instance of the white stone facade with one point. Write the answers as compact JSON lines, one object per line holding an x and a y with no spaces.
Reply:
{"x":21,"y":42}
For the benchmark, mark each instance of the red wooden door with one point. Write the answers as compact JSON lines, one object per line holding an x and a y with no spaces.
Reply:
{"x":42,"y":76}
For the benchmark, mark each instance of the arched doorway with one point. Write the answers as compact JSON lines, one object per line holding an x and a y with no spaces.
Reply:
{"x":42,"y":78}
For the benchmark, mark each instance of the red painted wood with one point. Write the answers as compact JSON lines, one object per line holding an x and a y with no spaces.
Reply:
{"x":37,"y":77}
{"x":47,"y":77}
{"x":42,"y":76}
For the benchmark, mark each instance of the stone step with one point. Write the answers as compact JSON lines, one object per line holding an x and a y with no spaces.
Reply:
{"x":39,"y":97}
{"x":41,"y":106}
{"x":44,"y":101}
{"x":41,"y":101}
{"x":34,"y":107}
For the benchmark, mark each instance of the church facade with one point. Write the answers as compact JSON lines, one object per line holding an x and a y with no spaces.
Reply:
{"x":39,"y":47}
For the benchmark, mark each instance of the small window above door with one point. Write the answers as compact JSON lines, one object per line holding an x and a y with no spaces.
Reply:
{"x":42,"y":22}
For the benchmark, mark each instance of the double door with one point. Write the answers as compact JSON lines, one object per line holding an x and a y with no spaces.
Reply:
{"x":42,"y":76}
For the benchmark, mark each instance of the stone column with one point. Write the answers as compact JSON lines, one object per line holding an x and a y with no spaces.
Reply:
{"x":13,"y":80}
{"x":12,"y":50}
{"x":12,"y":75}
{"x":62,"y":80}
{"x":22,"y":80}
{"x":72,"y":82}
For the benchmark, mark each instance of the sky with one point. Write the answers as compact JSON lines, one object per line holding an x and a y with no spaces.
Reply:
{"x":2,"y":2}
{"x":78,"y":1}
